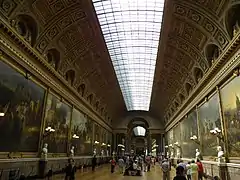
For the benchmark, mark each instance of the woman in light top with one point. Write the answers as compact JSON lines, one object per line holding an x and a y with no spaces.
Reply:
{"x":188,"y":168}
{"x":194,"y":170}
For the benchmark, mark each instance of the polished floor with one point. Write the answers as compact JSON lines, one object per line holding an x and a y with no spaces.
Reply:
{"x":103,"y":173}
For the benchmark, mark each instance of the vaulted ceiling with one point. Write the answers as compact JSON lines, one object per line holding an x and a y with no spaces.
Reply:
{"x":193,"y":32}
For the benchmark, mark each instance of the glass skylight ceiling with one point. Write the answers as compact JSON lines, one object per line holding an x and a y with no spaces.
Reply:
{"x":131,"y":29}
{"x":139,"y":131}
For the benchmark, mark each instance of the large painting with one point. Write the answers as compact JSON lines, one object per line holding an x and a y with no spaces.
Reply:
{"x":188,"y":129}
{"x":79,"y":132}
{"x":21,"y":105}
{"x":57,"y":116}
{"x":97,"y":138}
{"x":177,"y":144}
{"x":230,"y":95}
{"x":209,"y":118}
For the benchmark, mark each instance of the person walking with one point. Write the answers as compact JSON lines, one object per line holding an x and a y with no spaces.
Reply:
{"x":70,"y":170}
{"x":200,"y":170}
{"x":121,"y":165}
{"x":113,"y":164}
{"x":188,"y":169}
{"x":194,"y":170}
{"x":94,"y":163}
{"x":166,"y":169}
{"x":180,"y":175}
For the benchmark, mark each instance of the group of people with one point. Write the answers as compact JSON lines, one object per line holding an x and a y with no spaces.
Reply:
{"x":134,"y":165}
{"x":184,"y":171}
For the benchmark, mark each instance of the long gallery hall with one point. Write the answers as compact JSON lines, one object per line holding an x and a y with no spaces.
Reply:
{"x":120,"y":89}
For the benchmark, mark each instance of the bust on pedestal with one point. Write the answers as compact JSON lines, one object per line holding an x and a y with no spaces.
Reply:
{"x":72,"y":151}
{"x":220,"y":157}
{"x":44,"y":151}
{"x":198,"y":155}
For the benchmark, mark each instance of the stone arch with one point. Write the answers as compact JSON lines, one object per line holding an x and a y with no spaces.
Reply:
{"x":53,"y":58}
{"x":70,"y":76}
{"x":212,"y":52}
{"x":181,"y":97}
{"x":81,"y":89}
{"x":232,"y":20}
{"x":198,"y":74}
{"x":188,"y":88}
{"x":27,"y":27}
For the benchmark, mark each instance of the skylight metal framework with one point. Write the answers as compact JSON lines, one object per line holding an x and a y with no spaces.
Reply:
{"x":139,"y":131}
{"x":131,"y":29}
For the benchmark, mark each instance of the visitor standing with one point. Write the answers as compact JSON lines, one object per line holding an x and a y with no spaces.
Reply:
{"x":166,"y":169}
{"x":200,"y":170}
{"x":113,"y":164}
{"x":180,"y":174}
{"x":194,"y":170}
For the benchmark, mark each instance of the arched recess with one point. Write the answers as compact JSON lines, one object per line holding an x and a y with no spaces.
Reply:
{"x":90,"y":98}
{"x":188,"y":88}
{"x":97,"y":105}
{"x":198,"y":74}
{"x":53,"y":58}
{"x":232,"y":20}
{"x":212,"y":52}
{"x":81,"y":89}
{"x":27,"y":27}
{"x":101,"y":111}
{"x":176,"y":104}
{"x":181,"y":97}
{"x":70,"y":76}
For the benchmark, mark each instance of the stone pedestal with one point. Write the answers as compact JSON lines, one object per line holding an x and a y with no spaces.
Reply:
{"x":42,"y":168}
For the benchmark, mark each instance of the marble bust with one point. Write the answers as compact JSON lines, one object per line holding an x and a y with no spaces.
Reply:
{"x":72,"y":151}
{"x":220,"y":156}
{"x":198,"y":155}
{"x":178,"y":153}
{"x":45,"y":151}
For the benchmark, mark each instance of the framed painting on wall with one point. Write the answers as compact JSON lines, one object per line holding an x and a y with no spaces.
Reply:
{"x":189,"y":128}
{"x":209,"y":118}
{"x":57,"y":116}
{"x":230,"y":95}
{"x":21,"y":107}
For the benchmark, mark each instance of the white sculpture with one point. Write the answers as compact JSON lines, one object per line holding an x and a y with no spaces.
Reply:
{"x":72,"y":151}
{"x":172,"y":153}
{"x":45,"y":151}
{"x":198,"y":155}
{"x":167,"y":154}
{"x":178,"y":153}
{"x":220,"y":157}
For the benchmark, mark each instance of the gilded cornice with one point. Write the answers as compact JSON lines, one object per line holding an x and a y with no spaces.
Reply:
{"x":29,"y":58}
{"x":224,"y":65}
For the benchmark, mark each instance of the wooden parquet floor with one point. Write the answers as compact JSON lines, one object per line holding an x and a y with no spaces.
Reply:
{"x":103,"y":173}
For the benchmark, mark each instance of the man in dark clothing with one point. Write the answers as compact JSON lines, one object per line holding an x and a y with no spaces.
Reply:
{"x":70,"y":170}
{"x":180,"y":174}
{"x":94,"y":162}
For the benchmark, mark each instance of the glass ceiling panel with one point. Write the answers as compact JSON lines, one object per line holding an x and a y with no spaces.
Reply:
{"x":131,"y":29}
{"x":139,"y":131}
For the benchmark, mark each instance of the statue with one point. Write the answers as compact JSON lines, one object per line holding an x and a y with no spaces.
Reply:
{"x":178,"y":153}
{"x":172,"y":153}
{"x":72,"y":151}
{"x":168,"y":155}
{"x":236,"y":28}
{"x":220,"y":156}
{"x":198,"y":155}
{"x":44,"y":151}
